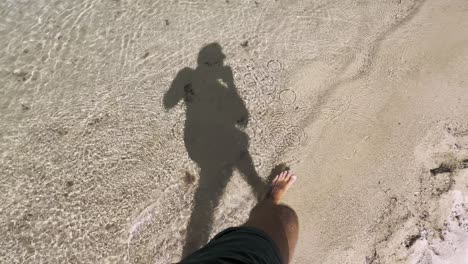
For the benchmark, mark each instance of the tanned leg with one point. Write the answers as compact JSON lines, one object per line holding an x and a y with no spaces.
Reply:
{"x":279,"y":221}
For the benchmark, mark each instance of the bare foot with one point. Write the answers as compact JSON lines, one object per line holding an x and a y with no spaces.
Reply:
{"x":280,"y":185}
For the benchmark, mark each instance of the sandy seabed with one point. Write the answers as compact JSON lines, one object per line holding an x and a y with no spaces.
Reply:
{"x":113,"y":148}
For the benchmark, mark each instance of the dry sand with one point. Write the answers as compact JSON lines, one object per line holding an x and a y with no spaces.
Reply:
{"x":362,"y":99}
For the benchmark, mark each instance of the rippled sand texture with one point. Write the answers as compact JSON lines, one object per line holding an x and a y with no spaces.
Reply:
{"x":348,"y":93}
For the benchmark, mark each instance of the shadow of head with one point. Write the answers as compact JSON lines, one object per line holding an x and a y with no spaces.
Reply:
{"x":210,"y":55}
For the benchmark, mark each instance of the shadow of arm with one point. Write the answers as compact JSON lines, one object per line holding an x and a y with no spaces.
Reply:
{"x":241,"y":112}
{"x":176,"y":91}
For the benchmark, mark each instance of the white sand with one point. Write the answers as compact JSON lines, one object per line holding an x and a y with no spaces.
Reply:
{"x":360,"y":98}
{"x":365,"y":172}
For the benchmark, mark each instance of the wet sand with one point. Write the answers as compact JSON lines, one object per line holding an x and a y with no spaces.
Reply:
{"x":365,"y":101}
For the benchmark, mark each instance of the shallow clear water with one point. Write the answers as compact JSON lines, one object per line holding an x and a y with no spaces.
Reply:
{"x":92,"y":164}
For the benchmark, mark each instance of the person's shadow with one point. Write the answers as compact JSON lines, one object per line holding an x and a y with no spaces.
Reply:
{"x":213,"y":136}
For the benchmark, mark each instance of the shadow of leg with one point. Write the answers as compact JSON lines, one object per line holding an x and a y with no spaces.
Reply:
{"x":247,"y":169}
{"x":210,"y":189}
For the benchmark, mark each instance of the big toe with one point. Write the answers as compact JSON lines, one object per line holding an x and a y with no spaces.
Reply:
{"x":292,"y":179}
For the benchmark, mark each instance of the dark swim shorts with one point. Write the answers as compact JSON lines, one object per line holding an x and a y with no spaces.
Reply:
{"x":237,"y":245}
